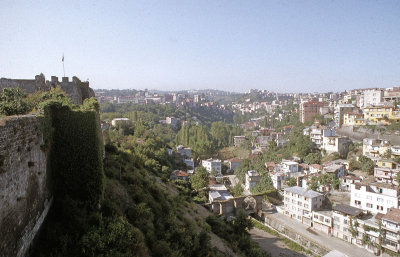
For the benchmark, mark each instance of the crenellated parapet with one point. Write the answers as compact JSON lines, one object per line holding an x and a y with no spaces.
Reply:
{"x":76,"y":89}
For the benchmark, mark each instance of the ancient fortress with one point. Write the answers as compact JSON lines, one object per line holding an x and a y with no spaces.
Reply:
{"x":76,"y":89}
{"x":25,"y":176}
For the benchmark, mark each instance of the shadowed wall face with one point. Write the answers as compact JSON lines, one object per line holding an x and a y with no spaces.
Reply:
{"x":25,"y":196}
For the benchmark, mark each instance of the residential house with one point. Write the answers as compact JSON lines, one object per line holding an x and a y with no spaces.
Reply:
{"x":342,"y":109}
{"x":189,"y":163}
{"x":277,"y":178}
{"x":233,"y":163}
{"x":375,"y":147}
{"x":171,"y":121}
{"x":270,"y":166}
{"x":179,"y":175}
{"x":338,"y":144}
{"x":252,"y":178}
{"x":218,"y":193}
{"x":299,"y":203}
{"x":391,"y":230}
{"x":386,"y":175}
{"x":289,"y":167}
{"x":353,"y":225}
{"x":322,"y":221}
{"x":238,"y":140}
{"x":185,"y":152}
{"x":347,"y":181}
{"x":119,"y":121}
{"x":315,"y":168}
{"x":212,"y":165}
{"x":381,"y":114}
{"x":337,"y":169}
{"x":374,"y":197}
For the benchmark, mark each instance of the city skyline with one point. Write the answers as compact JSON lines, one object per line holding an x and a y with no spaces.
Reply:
{"x":280,"y":46}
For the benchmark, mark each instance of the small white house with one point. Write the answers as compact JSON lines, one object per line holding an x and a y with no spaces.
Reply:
{"x":117,"y":121}
{"x":212,"y":164}
{"x":252,"y":177}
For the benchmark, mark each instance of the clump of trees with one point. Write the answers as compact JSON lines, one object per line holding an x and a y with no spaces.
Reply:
{"x":236,"y":233}
{"x":12,"y":102}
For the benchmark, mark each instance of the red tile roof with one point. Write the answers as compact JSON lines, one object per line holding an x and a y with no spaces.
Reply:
{"x":181,"y":173}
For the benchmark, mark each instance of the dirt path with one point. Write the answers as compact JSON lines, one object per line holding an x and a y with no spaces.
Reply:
{"x":272,"y":244}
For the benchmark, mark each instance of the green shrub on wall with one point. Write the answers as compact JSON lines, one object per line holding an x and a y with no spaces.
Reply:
{"x":75,"y":153}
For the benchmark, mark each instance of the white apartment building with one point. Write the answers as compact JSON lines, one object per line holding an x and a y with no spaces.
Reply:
{"x":212,"y":164}
{"x":338,"y":144}
{"x":252,"y":177}
{"x":277,"y":179}
{"x":374,"y":197}
{"x":289,"y":166}
{"x":300,"y":203}
{"x":372,"y":97}
{"x":375,"y":147}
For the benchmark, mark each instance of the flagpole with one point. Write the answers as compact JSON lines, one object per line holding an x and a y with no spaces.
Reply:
{"x":63,"y":65}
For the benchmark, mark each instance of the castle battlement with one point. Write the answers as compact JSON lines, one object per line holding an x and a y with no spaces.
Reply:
{"x":77,"y":90}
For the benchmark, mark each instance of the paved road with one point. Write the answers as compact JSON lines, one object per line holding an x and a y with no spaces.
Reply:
{"x":272,"y":244}
{"x":332,"y":243}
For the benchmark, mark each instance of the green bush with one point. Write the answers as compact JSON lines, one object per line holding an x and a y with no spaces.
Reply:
{"x":12,"y":102}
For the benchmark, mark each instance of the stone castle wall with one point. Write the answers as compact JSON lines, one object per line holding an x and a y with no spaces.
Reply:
{"x":78,"y":91}
{"x":25,"y":188}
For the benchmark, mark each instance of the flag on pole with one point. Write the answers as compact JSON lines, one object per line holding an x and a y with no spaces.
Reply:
{"x":62,"y":58}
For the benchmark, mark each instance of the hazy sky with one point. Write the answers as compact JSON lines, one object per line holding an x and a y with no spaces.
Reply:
{"x":285,"y":46}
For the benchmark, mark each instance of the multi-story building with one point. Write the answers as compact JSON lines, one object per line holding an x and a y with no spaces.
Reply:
{"x":212,"y":165}
{"x":372,"y":97}
{"x":309,"y":109}
{"x":277,"y":179}
{"x":374,"y":197}
{"x":318,"y":133}
{"x":381,"y":114}
{"x":353,"y":119}
{"x":374,"y":147}
{"x":347,"y":181}
{"x":322,"y":221}
{"x":233,"y":163}
{"x":353,"y":225}
{"x":340,"y":111}
{"x":386,"y":175}
{"x":289,"y":167}
{"x":185,"y":152}
{"x":338,"y":144}
{"x":189,"y":163}
{"x":300,"y":203}
{"x":238,"y":140}
{"x":339,"y":170}
{"x":391,"y":230}
{"x":252,"y":178}
{"x":392,"y":95}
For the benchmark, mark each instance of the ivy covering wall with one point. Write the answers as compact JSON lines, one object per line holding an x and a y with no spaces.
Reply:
{"x":75,"y":153}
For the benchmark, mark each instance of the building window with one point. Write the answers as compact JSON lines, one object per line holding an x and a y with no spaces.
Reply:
{"x":369,"y":205}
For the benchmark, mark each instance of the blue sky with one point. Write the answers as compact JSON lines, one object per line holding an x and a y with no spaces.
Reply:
{"x":284,"y":46}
